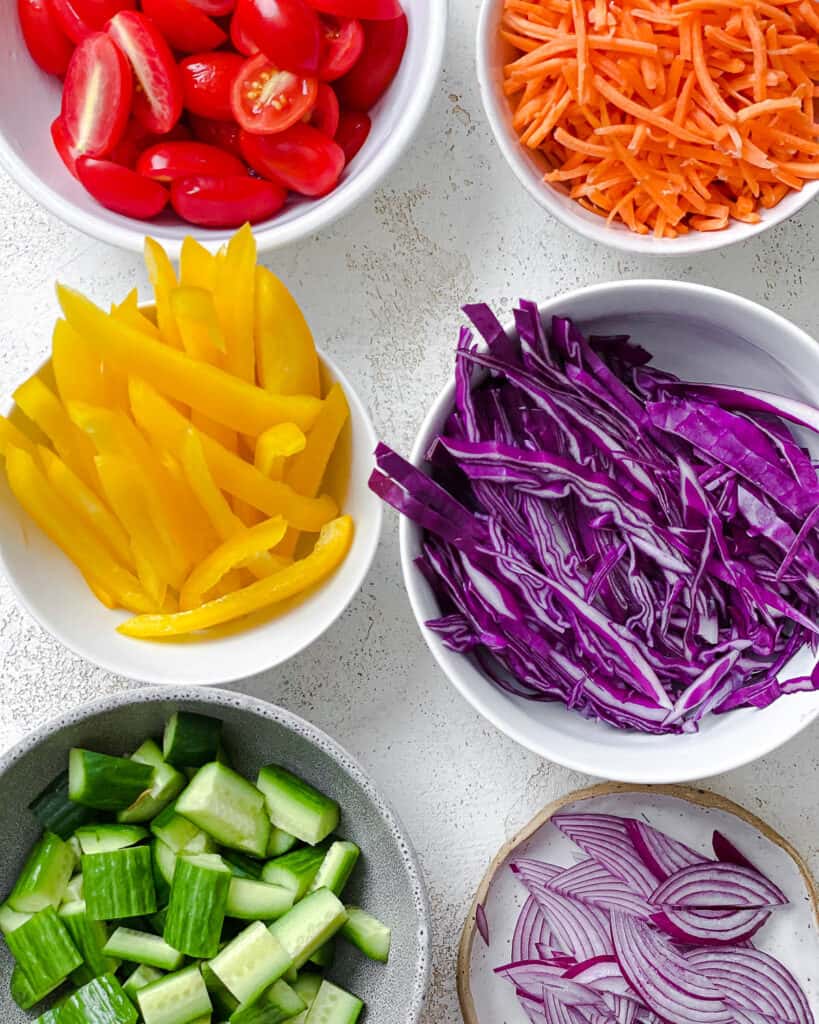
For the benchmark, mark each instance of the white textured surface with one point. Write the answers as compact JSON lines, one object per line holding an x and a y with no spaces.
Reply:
{"x":382,"y":292}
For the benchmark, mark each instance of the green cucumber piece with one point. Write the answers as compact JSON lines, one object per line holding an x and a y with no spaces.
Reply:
{"x":307,"y":985}
{"x":144,"y":948}
{"x":51,"y":1016}
{"x":325,"y":955}
{"x":165,"y":860}
{"x":295,"y":870}
{"x":277,"y":1004}
{"x":149,"y":753}
{"x":180,"y":834}
{"x":166,"y":786}
{"x":101,"y":1001}
{"x":106,"y":783}
{"x":296,"y":806}
{"x":226,"y":806}
{"x":104,"y":838}
{"x":242,"y":866}
{"x":45,"y":875}
{"x":56,"y":812}
{"x":333,"y":1005}
{"x":89,"y":937}
{"x":141,"y":976}
{"x":191,"y":740}
{"x":119,"y":884}
{"x":336,"y":868}
{"x":76,"y":849}
{"x":196,"y":911}
{"x":368,"y":934}
{"x":24,"y":994}
{"x":73,"y":891}
{"x":309,"y":925}
{"x":280,"y":842}
{"x":44,"y":950}
{"x":223,"y":1002}
{"x":179,"y":998}
{"x":10,"y":919}
{"x":251,"y":900}
{"x":251,"y":962}
{"x":157,"y":921}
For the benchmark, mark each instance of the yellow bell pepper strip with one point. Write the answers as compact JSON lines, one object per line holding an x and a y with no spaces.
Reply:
{"x":239,"y":549}
{"x":101,"y":594}
{"x":235,"y":403}
{"x":199,"y":327}
{"x":330,"y":550}
{"x":163,"y":279}
{"x":275,"y":445}
{"x":203,"y":538}
{"x":128,"y":312}
{"x":149,"y":576}
{"x":44,"y":409}
{"x":12,"y":436}
{"x":285,"y":352}
{"x":85,"y":503}
{"x":77,"y":367}
{"x":70,"y":533}
{"x":226,"y":437}
{"x":234,"y":288}
{"x":196,"y":265}
{"x":231,"y":473}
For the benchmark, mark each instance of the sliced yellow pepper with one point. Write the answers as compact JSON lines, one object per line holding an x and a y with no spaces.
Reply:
{"x":163,"y":279}
{"x":242,"y":547}
{"x":235,"y":403}
{"x":275,"y":445}
{"x":77,"y":367}
{"x":330,"y":550}
{"x":101,"y":594}
{"x":12,"y":436}
{"x":70,"y":533}
{"x":233,"y":294}
{"x":226,"y":437}
{"x":128,"y":312}
{"x":199,"y":327}
{"x":285,"y":352}
{"x":231,"y":473}
{"x":196,"y":265}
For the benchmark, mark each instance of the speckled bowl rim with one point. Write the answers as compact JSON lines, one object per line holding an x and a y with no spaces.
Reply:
{"x":298,"y":725}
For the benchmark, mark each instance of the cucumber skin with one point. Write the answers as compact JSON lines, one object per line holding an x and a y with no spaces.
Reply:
{"x":297,"y":807}
{"x":104,"y":838}
{"x":101,"y":1001}
{"x":49,"y":866}
{"x":89,"y":937}
{"x":347,"y":1008}
{"x":295,"y":870}
{"x":167,"y":784}
{"x":148,"y":752}
{"x":280,"y":842}
{"x":242,"y":866}
{"x":119,"y":884}
{"x":23,"y":992}
{"x":367,"y":933}
{"x":44,"y":950}
{"x":106,"y":783}
{"x":242,"y":905}
{"x":336,"y":868}
{"x":191,"y":740}
{"x":49,"y":1017}
{"x":56,"y":812}
{"x":196,"y":911}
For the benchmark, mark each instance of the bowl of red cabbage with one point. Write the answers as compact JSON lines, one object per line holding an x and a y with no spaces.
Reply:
{"x":610,"y":528}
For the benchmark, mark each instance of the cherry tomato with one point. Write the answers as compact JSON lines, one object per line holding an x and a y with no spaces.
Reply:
{"x":48,"y":45}
{"x":158,"y":97}
{"x":79,"y":18}
{"x":122,"y":190}
{"x":384,"y":45}
{"x":168,"y":161}
{"x":224,"y":134}
{"x":375,"y":10}
{"x":97,"y":95}
{"x":226,"y":202}
{"x":325,"y":113}
{"x":301,"y":159}
{"x":266,"y":99}
{"x":64,"y":145}
{"x":353,"y":130}
{"x":207,"y":81}
{"x":184,"y":26}
{"x":343,"y":43}
{"x":239,"y":37}
{"x":137,"y":138}
{"x":215,"y":8}
{"x":288,"y":32}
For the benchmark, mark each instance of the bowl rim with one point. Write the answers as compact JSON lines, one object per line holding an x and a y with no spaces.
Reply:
{"x":227,"y":675}
{"x":294,"y":723}
{"x":596,"y":229}
{"x":129,"y":233}
{"x":414,"y":584}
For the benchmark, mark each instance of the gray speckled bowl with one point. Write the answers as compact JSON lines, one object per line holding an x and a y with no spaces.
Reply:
{"x":387,"y":881}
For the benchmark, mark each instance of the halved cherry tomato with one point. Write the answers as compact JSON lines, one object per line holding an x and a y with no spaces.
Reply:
{"x":158,"y":97}
{"x":215,"y":8}
{"x":168,"y":161}
{"x":288,"y":32}
{"x":353,"y":130}
{"x":48,"y":45}
{"x":343,"y":44}
{"x":79,"y":18}
{"x":122,"y":190}
{"x":64,"y":145}
{"x":184,"y":26}
{"x":224,"y":134}
{"x":226,"y":202}
{"x":384,"y":45}
{"x":207,"y":82}
{"x":266,"y":99}
{"x":375,"y":10}
{"x":325,"y":113}
{"x":302,"y":159}
{"x":239,"y":37}
{"x":136,"y":139}
{"x":97,"y":93}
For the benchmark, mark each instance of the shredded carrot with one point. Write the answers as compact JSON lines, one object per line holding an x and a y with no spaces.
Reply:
{"x":668,"y":115}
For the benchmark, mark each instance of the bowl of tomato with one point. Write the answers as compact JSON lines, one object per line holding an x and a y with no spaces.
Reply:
{"x":167,"y":117}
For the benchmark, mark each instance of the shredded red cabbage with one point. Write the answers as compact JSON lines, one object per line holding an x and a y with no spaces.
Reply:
{"x":600,"y":533}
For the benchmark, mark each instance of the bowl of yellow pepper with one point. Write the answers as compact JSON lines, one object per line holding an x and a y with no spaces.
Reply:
{"x":185,"y":490}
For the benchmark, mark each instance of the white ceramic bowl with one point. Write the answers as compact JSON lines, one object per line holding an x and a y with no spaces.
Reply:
{"x":54,"y":592}
{"x":700,"y":334}
{"x":30,"y":100}
{"x":529,"y":167}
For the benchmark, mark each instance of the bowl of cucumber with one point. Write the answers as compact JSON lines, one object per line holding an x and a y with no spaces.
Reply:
{"x":179,"y":856}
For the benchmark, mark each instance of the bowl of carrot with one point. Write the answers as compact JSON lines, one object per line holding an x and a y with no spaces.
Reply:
{"x":666,"y":127}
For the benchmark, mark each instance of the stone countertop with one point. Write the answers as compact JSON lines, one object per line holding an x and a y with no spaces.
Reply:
{"x":381,"y":290}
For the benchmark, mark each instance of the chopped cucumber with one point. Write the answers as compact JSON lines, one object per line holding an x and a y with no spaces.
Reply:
{"x":10,"y":919}
{"x":191,"y":740}
{"x":73,"y":891}
{"x":223,"y":1002}
{"x":228,"y":808}
{"x":368,"y":934}
{"x":24,"y":994}
{"x":165,"y":860}
{"x":333,"y":1005}
{"x":309,"y":925}
{"x":76,"y":849}
{"x":157,"y":921}
{"x":325,"y":955}
{"x":179,"y":998}
{"x":296,"y":806}
{"x":101,"y":1001}
{"x":277,"y":1004}
{"x":89,"y":937}
{"x":242,"y":866}
{"x":142,"y":975}
{"x":307,"y":985}
{"x":44,"y":950}
{"x":45,"y":875}
{"x":119,"y":884}
{"x":104,"y":838}
{"x":196,"y":911}
{"x":295,"y":870}
{"x":251,"y":962}
{"x":144,"y":948}
{"x":166,"y":786}
{"x":280,"y":842}
{"x":56,"y":812}
{"x":336,"y":868}
{"x":51,"y":1016}
{"x":180,"y":834}
{"x":149,"y":753}
{"x":106,"y":783}
{"x":250,"y":900}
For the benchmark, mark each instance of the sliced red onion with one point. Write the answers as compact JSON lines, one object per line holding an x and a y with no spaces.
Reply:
{"x":592,"y":882}
{"x":531,"y":931}
{"x":529,"y":975}
{"x":536,"y":871}
{"x":555,"y":957}
{"x":536,"y":978}
{"x":481,"y":923}
{"x":726,"y":851}
{"x":558,"y":1012}
{"x":663,"y":856}
{"x":693,"y":927}
{"x":605,"y":838}
{"x":623,"y":1008}
{"x":718,"y":886}
{"x":578,"y":928}
{"x":603,"y":974}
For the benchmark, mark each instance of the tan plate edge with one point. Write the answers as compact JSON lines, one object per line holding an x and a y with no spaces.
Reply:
{"x":701,"y":797}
